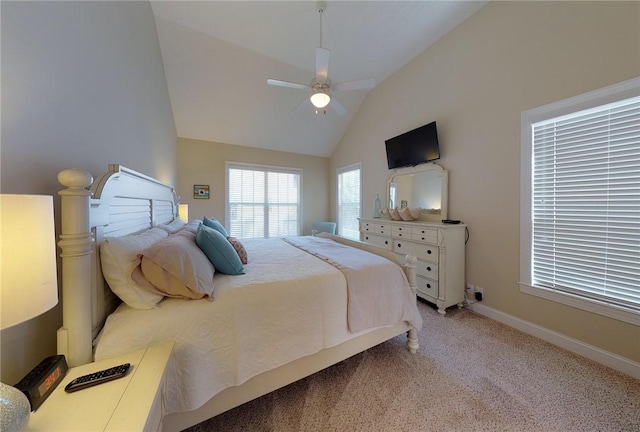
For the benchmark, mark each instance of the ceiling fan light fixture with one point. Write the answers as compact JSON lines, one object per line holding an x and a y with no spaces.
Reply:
{"x":320,"y":98}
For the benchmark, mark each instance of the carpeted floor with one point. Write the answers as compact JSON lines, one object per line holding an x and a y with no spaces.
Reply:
{"x":470,"y":374}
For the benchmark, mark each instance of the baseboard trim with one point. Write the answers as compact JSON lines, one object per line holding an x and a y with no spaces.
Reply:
{"x":606,"y":358}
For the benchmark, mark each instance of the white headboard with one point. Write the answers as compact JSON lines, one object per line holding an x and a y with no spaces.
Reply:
{"x":120,"y":202}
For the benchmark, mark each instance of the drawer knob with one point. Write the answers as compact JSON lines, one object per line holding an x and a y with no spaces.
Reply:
{"x":428,"y":285}
{"x":399,"y":245}
{"x":428,"y":268}
{"x":367,"y":237}
{"x":429,"y":252}
{"x":386,"y":242}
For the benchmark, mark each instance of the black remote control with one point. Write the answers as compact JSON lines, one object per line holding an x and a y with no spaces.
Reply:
{"x":96,"y":378}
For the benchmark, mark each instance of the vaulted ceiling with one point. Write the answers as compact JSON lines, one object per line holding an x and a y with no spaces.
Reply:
{"x":218,"y":56}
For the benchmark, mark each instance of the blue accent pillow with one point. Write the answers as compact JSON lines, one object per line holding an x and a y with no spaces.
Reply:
{"x":219,"y":251}
{"x":213,"y":223}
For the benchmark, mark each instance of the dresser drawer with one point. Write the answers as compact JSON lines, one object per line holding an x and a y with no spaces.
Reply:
{"x":383,"y":229}
{"x":427,"y":269}
{"x":420,"y":251}
{"x":401,"y":232}
{"x":384,"y":242}
{"x":367,"y":227}
{"x":380,"y":228}
{"x":427,"y":286}
{"x":424,"y":235}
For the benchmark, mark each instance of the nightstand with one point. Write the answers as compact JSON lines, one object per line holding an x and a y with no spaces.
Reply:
{"x":131,"y":403}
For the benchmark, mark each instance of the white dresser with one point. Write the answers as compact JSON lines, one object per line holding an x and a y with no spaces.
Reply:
{"x":439,"y":248}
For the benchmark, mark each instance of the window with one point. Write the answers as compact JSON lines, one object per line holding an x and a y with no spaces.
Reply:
{"x":263,"y":201}
{"x":349,"y":201}
{"x":580,"y":209}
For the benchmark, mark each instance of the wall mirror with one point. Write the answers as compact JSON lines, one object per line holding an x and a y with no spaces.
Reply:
{"x":424,"y":186}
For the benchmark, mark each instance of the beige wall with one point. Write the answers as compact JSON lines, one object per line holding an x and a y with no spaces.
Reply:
{"x":82,"y":86}
{"x":475,"y":82}
{"x":202,"y":162}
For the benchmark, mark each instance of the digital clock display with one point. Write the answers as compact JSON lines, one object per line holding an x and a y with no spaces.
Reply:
{"x":50,"y":380}
{"x":38,"y":384}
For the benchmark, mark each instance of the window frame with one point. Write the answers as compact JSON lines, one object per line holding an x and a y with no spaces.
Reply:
{"x":339,"y":171}
{"x":603,"y":96}
{"x":266,"y":168}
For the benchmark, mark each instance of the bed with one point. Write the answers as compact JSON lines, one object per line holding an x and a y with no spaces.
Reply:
{"x":295,"y":306}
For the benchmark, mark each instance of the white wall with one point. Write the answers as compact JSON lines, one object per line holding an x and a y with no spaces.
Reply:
{"x":475,"y":82}
{"x":83,"y":85}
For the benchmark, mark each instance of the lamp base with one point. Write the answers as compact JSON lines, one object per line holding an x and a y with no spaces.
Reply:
{"x":14,"y":409}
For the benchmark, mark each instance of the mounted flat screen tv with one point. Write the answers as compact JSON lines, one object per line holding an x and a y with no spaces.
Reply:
{"x":414,"y":147}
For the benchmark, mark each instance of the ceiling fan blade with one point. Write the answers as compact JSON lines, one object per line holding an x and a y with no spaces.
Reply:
{"x":279,"y":83}
{"x":366,"y":83}
{"x":322,"y":64}
{"x":302,"y":105}
{"x":337,"y":106}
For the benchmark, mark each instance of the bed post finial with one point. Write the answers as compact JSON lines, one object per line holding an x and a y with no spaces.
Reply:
{"x":76,"y":244}
{"x":74,"y":178}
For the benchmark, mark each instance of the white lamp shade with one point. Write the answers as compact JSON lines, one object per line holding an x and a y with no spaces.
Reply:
{"x":320,"y":99}
{"x":183,"y":212}
{"x":28,"y":279}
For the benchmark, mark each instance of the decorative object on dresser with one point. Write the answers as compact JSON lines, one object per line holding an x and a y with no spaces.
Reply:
{"x":439,"y":250}
{"x":29,"y":283}
{"x":405,"y":214}
{"x":377,"y":206}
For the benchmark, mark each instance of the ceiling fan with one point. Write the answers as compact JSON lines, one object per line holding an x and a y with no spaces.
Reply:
{"x":321,"y":88}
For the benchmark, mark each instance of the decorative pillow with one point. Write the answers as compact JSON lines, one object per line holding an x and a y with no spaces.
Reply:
{"x":240,"y":250}
{"x":173,"y":227}
{"x":219,"y":251}
{"x":213,"y":223}
{"x":120,"y":257}
{"x":178,"y":268}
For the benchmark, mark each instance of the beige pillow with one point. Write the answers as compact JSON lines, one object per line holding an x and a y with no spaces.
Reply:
{"x":178,"y":268}
{"x":120,"y":258}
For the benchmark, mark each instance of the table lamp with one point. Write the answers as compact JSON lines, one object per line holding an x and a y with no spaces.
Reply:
{"x":183,"y":212}
{"x":28,"y":280}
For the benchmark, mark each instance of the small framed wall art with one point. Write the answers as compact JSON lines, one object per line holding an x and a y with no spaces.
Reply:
{"x":201,"y":191}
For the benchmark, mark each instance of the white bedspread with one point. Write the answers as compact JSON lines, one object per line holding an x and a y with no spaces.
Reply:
{"x":246,"y":330}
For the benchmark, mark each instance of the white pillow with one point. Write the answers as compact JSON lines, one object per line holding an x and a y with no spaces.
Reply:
{"x":173,"y":227}
{"x":121,"y":258}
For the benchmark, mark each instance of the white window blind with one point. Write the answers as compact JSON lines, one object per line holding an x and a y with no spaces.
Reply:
{"x":349,"y":201}
{"x":263,"y":201}
{"x":585,"y":204}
